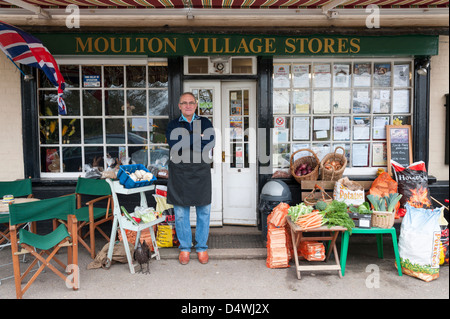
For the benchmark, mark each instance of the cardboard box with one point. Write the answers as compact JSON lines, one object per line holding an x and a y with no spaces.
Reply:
{"x":361,"y":220}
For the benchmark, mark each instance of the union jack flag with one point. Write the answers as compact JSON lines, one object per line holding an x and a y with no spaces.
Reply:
{"x":22,"y":47}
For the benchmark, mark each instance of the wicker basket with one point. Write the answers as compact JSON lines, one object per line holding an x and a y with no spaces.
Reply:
{"x":312,"y":160}
{"x":383,"y":219}
{"x":332,"y":174}
{"x":317,"y":194}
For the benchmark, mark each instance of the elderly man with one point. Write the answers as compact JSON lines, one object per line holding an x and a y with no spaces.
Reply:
{"x":190,"y":138}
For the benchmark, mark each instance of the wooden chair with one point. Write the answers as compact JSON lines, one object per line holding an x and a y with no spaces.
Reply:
{"x":59,"y":207}
{"x":91,"y":215}
{"x":18,"y":188}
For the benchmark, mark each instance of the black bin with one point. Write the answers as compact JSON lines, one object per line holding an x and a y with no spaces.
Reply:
{"x":273,"y":193}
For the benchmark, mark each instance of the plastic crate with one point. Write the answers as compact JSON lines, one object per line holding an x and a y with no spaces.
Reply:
{"x":126,"y":180}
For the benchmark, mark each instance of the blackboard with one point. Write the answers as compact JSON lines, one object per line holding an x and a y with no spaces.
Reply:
{"x":399,"y":145}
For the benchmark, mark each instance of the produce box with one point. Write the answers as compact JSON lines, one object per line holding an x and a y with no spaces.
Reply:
{"x":361,"y":220}
{"x":126,"y":180}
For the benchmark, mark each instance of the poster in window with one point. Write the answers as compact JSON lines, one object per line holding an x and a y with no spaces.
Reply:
{"x":322,"y":75}
{"x":382,"y":74}
{"x":379,"y":127}
{"x":341,"y":128}
{"x":341,"y":74}
{"x":341,"y":101}
{"x":281,"y":76}
{"x":361,"y":101}
{"x":379,"y":154}
{"x":281,"y":102}
{"x":300,"y":73}
{"x":360,"y":155}
{"x":236,"y":128}
{"x":401,"y":75}
{"x":300,"y":128}
{"x":302,"y":101}
{"x":381,"y":101}
{"x":321,"y":128}
{"x":401,"y":101}
{"x":280,"y":135}
{"x":322,"y":101}
{"x":362,"y":73}
{"x":361,"y":128}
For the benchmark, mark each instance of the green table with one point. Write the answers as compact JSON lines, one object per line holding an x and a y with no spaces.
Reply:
{"x":374,"y":230}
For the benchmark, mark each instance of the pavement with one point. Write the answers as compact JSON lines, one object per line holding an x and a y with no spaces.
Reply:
{"x":235,"y":274}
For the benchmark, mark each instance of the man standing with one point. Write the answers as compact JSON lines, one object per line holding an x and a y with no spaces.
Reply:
{"x":191,"y":139}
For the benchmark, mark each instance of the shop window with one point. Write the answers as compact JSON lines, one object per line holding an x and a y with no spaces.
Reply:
{"x":321,"y":104}
{"x":114,"y":111}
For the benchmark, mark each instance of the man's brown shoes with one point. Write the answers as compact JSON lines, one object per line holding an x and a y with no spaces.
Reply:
{"x":203,"y":257}
{"x":184,"y":257}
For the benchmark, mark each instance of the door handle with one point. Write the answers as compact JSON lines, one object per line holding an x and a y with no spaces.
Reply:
{"x":223,"y":156}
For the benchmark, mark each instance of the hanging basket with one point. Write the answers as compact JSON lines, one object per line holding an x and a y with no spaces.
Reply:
{"x":317,"y":194}
{"x":328,"y":172}
{"x":383,"y":219}
{"x":312,"y":161}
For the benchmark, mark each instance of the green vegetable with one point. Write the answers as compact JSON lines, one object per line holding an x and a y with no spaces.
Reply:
{"x":336,"y":215}
{"x":363,"y":209}
{"x":392,"y":200}
{"x":378,"y":203}
{"x":298,"y":210}
{"x":321,"y":205}
{"x":125,"y":212}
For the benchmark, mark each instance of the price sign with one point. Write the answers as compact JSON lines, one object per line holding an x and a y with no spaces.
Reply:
{"x":399,"y":145}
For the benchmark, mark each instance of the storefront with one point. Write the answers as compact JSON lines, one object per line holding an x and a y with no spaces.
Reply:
{"x":267,"y":94}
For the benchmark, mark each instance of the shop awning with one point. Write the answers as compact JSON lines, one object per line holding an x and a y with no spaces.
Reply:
{"x":227,"y":4}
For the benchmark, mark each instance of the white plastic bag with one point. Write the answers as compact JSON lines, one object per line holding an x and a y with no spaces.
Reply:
{"x":419,"y":243}
{"x":350,"y":192}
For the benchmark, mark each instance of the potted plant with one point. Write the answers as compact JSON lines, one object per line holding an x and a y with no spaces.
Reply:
{"x":383,"y":209}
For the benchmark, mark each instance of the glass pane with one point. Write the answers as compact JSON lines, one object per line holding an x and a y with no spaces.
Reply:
{"x":159,"y":155}
{"x":379,"y":154}
{"x":71,"y":131}
{"x":360,"y":154}
{"x":321,"y":128}
{"x":381,"y":101}
{"x":92,"y":76}
{"x":361,"y":101}
{"x":401,"y":101}
{"x":281,"y":155}
{"x":341,"y":128}
{"x":72,"y":100}
{"x":322,"y":101}
{"x":71,"y":75}
{"x":158,"y":130}
{"x":158,"y":102}
{"x":241,"y":65}
{"x":341,"y":75}
{"x":281,"y":102}
{"x":362,"y":74}
{"x":138,"y":154}
{"x":114,"y":76}
{"x":72,"y":159}
{"x":92,"y":102}
{"x":341,"y":101}
{"x":50,"y":159}
{"x":93,"y":155}
{"x":115,"y":131}
{"x":302,"y":102}
{"x":382,"y":74}
{"x":114,"y":102}
{"x":322,"y":75}
{"x":301,"y":75}
{"x":48,"y":103}
{"x":158,"y":76}
{"x":93,"y":131}
{"x":198,"y":65}
{"x":281,"y":76}
{"x":237,"y":155}
{"x":137,"y":130}
{"x":361,"y":128}
{"x":246,"y":102}
{"x":49,"y":131}
{"x":136,"y":76}
{"x":379,"y":127}
{"x":113,"y":153}
{"x":402,"y":75}
{"x":205,"y":102}
{"x":136,"y":102}
{"x":43,"y":81}
{"x":401,"y":120}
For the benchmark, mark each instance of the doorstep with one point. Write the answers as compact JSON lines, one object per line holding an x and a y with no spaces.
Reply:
{"x":228,"y":242}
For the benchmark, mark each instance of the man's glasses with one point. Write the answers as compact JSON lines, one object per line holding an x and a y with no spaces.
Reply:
{"x":186,"y":103}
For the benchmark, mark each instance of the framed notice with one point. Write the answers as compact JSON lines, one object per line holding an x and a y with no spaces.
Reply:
{"x":399,"y":145}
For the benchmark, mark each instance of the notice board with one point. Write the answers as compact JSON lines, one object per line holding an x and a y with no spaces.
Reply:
{"x":399,"y":145}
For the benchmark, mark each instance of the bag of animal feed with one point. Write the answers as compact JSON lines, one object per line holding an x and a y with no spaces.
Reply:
{"x":419,"y":243}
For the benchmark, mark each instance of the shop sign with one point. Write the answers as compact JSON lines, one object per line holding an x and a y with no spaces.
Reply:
{"x":219,"y":44}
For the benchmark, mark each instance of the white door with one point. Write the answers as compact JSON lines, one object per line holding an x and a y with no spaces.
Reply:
{"x":231,"y":107}
{"x":239,"y":146}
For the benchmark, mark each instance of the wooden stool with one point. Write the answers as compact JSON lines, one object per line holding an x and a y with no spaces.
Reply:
{"x":377,"y":231}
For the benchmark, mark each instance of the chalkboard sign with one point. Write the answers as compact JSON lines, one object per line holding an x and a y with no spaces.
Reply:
{"x":399,"y":145}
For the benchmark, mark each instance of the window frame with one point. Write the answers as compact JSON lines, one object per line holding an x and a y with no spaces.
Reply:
{"x":101,"y":61}
{"x":350,"y":170}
